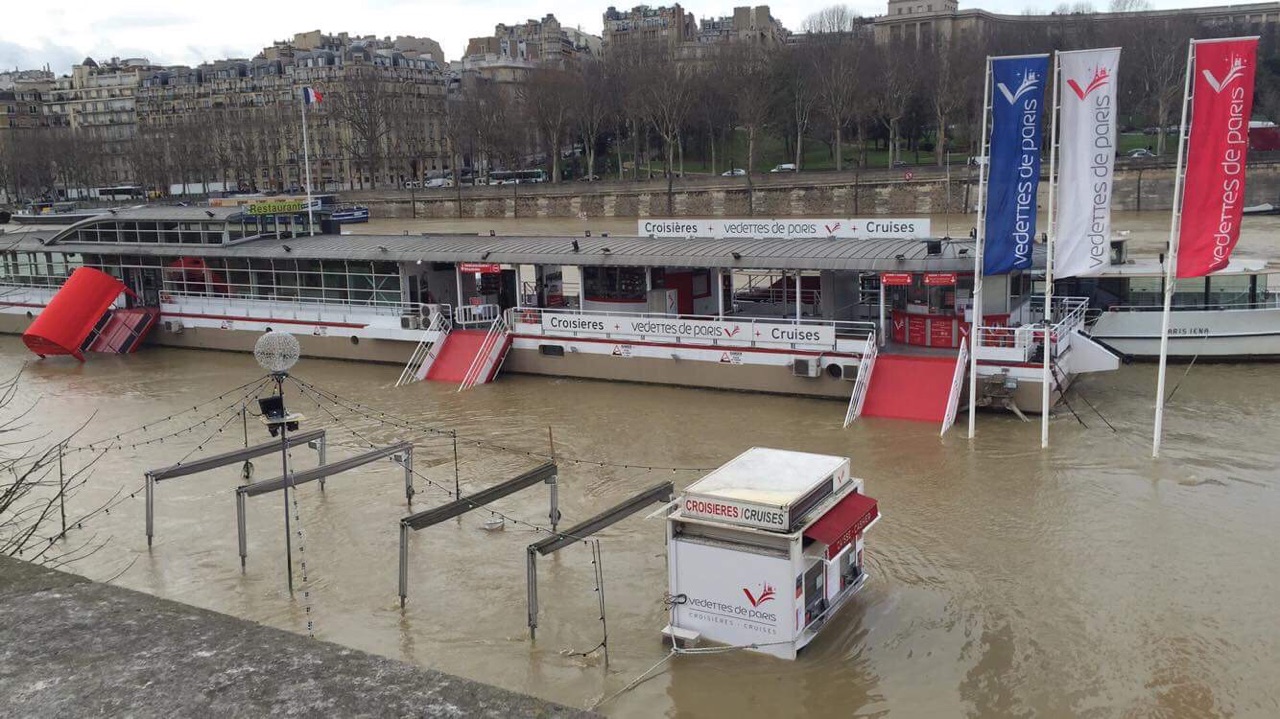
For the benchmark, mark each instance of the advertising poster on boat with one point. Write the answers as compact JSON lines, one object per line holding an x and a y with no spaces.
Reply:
{"x":1013,"y":177}
{"x":747,"y":600}
{"x":1213,"y":192}
{"x":689,"y":331}
{"x":1086,"y":169}
{"x":788,"y":228}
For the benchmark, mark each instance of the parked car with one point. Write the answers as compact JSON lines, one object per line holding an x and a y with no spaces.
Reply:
{"x":1142,"y":153}
{"x":410,"y":184}
{"x":589,"y":178}
{"x":439,"y":182}
{"x":784,"y":167}
{"x":735,"y":172}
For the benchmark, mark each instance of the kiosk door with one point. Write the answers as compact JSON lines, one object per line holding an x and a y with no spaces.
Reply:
{"x":815,"y":595}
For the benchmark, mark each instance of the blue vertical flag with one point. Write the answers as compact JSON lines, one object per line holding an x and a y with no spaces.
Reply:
{"x":1013,"y":174}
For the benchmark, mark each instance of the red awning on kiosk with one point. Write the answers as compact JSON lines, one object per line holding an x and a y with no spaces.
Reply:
{"x":844,"y":522}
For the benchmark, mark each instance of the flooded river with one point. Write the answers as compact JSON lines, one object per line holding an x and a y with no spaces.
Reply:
{"x":1085,"y":580}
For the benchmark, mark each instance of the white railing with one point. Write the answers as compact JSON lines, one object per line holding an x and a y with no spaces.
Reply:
{"x":866,"y":366}
{"x":286,"y":308}
{"x":486,"y":359}
{"x":467,"y":315}
{"x":739,"y":331}
{"x":1020,"y":343}
{"x":293,"y":303}
{"x":428,"y":349}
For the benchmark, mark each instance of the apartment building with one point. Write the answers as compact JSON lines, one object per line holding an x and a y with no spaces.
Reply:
{"x":379,"y":122}
{"x":670,"y":27}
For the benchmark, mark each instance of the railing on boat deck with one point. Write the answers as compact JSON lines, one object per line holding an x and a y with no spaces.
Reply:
{"x":854,"y":333}
{"x":1022,"y":343}
{"x":468,"y":315}
{"x":1271,"y":302}
{"x":290,"y":307}
{"x":488,"y":357}
{"x":428,"y":348}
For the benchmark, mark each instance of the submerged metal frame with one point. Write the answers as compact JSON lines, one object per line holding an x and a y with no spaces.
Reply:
{"x":546,"y":474}
{"x":400,"y":452}
{"x":662,"y":492}
{"x":222,"y":460}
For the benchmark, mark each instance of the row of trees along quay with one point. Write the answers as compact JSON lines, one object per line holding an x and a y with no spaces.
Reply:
{"x":838,"y":98}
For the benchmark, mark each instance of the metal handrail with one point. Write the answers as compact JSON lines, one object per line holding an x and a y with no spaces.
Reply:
{"x":496,"y":330}
{"x":441,"y":325}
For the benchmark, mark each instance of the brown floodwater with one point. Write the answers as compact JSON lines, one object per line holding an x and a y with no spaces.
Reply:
{"x":1085,"y":580}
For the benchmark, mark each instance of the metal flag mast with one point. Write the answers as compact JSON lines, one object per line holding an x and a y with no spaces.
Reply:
{"x":979,"y":235}
{"x":306,"y":159}
{"x":1171,"y":257}
{"x":1045,"y":393}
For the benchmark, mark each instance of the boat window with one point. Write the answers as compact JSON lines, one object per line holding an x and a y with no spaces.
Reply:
{"x":613,"y":283}
{"x":1228,"y":290}
{"x":1146,"y":291}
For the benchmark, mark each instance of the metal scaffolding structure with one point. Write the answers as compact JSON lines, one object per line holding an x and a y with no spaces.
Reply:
{"x":545,"y":473}
{"x":662,"y":492}
{"x":401,"y":453}
{"x":155,"y":476}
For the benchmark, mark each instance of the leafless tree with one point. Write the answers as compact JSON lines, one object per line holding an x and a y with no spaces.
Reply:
{"x":668,"y":95}
{"x":1155,"y":59}
{"x":35,"y":484}
{"x":833,"y":19}
{"x":361,"y":102}
{"x":547,"y":96}
{"x":898,"y":74}
{"x":798,"y":93}
{"x":839,"y":64}
{"x":593,"y":107}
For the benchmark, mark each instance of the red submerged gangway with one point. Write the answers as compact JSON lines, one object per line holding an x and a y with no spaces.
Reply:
{"x":79,"y":319}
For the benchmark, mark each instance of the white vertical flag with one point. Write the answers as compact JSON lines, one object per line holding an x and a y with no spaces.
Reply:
{"x":1087,"y":170}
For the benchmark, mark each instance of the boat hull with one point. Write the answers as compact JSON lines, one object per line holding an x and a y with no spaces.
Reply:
{"x":1207,"y":334}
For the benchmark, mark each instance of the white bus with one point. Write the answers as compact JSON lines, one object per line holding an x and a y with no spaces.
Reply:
{"x":517,"y":177}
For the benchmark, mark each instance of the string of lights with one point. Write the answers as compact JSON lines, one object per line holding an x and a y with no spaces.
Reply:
{"x":314,"y":396}
{"x":118,"y":437}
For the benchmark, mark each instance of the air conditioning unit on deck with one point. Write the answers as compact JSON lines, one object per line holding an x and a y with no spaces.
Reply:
{"x":849,"y":372}
{"x":174,"y":326}
{"x":410,"y":322}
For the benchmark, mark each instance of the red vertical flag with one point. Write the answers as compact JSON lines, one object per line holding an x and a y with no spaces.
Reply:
{"x":1213,"y":193}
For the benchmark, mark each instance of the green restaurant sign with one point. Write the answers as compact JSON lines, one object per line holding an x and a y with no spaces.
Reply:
{"x":281,"y":207}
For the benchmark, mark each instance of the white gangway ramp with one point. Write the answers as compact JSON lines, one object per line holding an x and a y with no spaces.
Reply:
{"x":490,"y":356}
{"x":957,"y":383}
{"x":866,"y":366}
{"x":428,"y":349}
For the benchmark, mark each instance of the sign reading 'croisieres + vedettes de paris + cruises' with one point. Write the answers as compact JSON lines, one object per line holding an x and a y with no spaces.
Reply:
{"x":787,"y":229}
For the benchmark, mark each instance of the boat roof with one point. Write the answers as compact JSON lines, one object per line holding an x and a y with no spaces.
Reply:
{"x":775,"y":477}
{"x":865,"y":255}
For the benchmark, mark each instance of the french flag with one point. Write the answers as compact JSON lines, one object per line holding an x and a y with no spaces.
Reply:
{"x":310,"y":95}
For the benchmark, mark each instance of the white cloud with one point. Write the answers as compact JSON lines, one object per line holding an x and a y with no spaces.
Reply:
{"x":64,"y":32}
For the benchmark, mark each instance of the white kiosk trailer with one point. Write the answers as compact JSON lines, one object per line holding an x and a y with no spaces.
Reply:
{"x":762,"y":551}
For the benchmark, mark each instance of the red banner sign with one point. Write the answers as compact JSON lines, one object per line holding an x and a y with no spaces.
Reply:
{"x":895,"y":279}
{"x":483,"y":268}
{"x":1213,"y":191}
{"x":935,"y":279}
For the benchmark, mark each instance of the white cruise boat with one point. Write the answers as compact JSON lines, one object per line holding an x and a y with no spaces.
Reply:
{"x":1231,"y":314}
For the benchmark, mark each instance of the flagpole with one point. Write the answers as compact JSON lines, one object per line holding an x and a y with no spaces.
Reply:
{"x":979,"y":235}
{"x":1050,"y":237}
{"x":306,"y":158}
{"x":1171,"y":258}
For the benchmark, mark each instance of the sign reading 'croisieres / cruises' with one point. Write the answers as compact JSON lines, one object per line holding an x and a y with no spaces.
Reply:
{"x":787,"y":229}
{"x":689,"y":331}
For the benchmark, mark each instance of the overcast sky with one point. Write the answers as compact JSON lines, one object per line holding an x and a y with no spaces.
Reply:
{"x":61,"y":33}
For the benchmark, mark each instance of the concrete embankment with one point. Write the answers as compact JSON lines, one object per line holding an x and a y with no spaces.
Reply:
{"x":71,"y":647}
{"x":928,"y":191}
